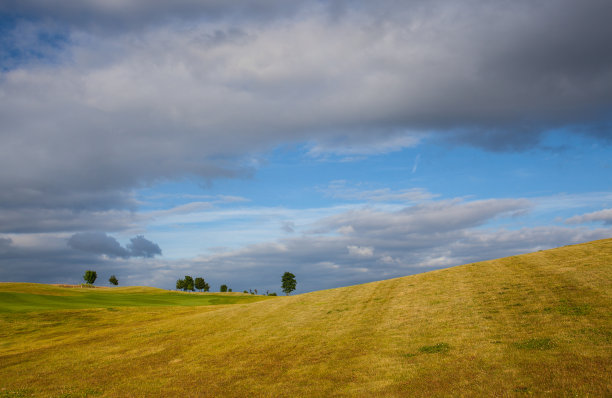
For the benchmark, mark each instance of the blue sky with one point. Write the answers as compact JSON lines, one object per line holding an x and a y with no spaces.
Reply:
{"x":563,"y":177}
{"x":341,"y":141}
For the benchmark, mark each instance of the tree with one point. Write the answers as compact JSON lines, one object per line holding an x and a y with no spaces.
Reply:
{"x":180,"y":284}
{"x":189,"y":283}
{"x":113,"y":280}
{"x":224,"y":288}
{"x":288,"y":282}
{"x":90,"y":277}
{"x":200,"y":284}
{"x":206,"y":286}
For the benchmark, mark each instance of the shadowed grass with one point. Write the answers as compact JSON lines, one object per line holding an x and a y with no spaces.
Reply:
{"x":535,"y":344}
{"x":432,"y":349}
{"x":538,"y":324}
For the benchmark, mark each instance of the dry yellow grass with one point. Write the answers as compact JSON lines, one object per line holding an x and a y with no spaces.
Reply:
{"x":536,"y":324}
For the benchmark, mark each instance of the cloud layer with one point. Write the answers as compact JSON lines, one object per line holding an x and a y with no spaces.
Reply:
{"x":193,"y":87}
{"x":103,"y":99}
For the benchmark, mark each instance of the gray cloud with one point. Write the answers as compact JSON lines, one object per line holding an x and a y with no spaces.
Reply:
{"x":604,"y":216}
{"x":5,"y":244}
{"x":61,"y":264}
{"x":141,"y":247}
{"x":97,"y":243}
{"x":288,"y":226}
{"x":339,"y":79}
{"x":36,"y":220}
{"x":434,"y":217}
{"x":497,"y":85}
{"x":103,"y":244}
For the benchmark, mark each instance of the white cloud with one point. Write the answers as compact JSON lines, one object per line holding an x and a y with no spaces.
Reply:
{"x":416,"y":163}
{"x":346,"y":230}
{"x":388,"y":260}
{"x":360,"y":251}
{"x":341,"y":189}
{"x":604,"y":216}
{"x":376,"y":147}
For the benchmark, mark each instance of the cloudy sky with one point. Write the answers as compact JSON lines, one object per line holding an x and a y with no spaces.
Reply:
{"x":344,"y":141}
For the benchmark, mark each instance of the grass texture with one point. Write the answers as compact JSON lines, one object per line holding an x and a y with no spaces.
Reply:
{"x":538,"y":324}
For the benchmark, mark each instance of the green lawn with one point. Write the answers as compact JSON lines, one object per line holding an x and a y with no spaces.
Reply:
{"x":22,"y":297}
{"x":538,"y":324}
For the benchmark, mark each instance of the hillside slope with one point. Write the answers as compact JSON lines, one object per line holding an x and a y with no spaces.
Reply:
{"x":538,"y":324}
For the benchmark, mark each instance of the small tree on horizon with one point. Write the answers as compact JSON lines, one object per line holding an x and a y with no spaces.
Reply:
{"x":180,"y":284}
{"x":90,"y":277}
{"x":189,"y":284}
{"x":288,"y":282}
{"x":113,"y":280}
{"x":223,"y":288}
{"x":200,"y":284}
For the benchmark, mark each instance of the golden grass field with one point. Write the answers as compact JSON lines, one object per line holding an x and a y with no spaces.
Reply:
{"x":538,"y":324}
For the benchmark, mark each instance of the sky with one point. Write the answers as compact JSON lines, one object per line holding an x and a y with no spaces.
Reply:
{"x":342,"y":141}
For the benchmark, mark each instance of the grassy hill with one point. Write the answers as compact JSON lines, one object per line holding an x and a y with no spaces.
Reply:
{"x":537,"y":324}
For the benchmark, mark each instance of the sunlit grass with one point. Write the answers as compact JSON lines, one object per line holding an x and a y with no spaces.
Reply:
{"x":538,"y":324}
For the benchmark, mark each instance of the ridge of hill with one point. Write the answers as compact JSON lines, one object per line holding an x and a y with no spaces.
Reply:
{"x":534,"y":324}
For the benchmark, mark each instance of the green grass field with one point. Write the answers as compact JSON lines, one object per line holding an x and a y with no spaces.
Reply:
{"x":532,"y":325}
{"x":28,"y":297}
